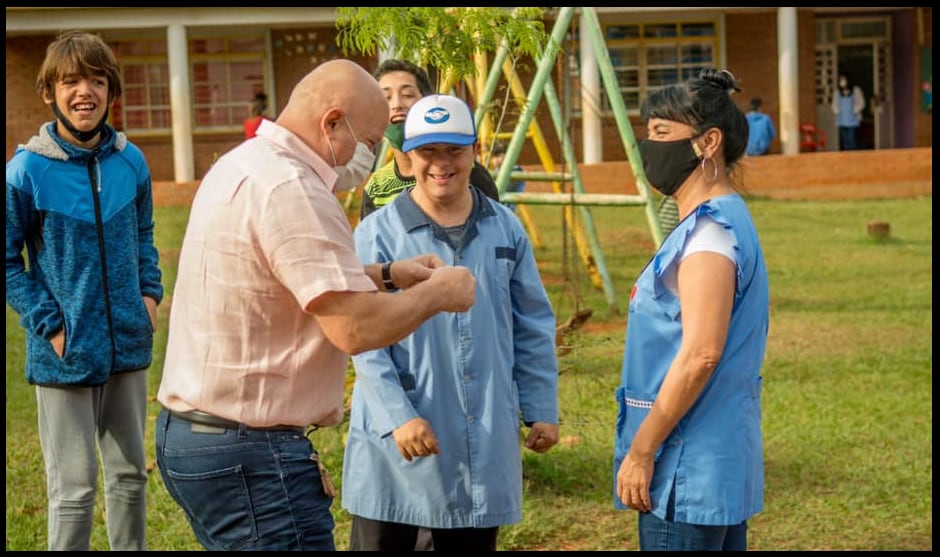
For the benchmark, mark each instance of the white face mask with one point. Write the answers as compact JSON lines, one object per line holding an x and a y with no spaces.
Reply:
{"x":354,"y":172}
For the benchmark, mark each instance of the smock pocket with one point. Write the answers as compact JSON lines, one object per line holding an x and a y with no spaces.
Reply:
{"x":503,"y":269}
{"x":222,"y":497}
{"x":632,"y":409}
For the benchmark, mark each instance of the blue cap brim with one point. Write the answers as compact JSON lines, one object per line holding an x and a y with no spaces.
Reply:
{"x":449,"y":138}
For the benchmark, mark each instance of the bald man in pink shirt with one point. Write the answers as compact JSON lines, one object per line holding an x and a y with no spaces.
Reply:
{"x":270,"y":300}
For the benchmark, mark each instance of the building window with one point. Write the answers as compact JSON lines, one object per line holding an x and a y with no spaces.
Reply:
{"x":225,"y":73}
{"x":145,"y":105}
{"x":649,"y":56}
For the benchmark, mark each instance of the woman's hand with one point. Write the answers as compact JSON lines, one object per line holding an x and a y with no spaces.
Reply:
{"x":633,"y":482}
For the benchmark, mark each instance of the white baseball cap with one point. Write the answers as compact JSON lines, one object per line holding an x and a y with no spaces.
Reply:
{"x":439,"y":119}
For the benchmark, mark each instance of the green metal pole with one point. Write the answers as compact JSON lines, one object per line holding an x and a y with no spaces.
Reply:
{"x":592,"y":29}
{"x":542,"y":75}
{"x":551,"y":198}
{"x":492,"y":81}
{"x":554,"y":107}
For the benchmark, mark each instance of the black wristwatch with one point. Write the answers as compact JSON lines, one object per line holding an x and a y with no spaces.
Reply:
{"x":387,"y":277}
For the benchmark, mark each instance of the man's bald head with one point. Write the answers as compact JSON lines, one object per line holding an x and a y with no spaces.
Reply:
{"x":321,"y":99}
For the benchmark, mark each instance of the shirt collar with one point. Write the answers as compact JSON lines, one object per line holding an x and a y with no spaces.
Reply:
{"x":289,"y":141}
{"x":413,"y":217}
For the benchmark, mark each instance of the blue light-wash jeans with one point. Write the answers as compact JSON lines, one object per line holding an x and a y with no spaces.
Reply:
{"x":245,"y":489}
{"x":77,"y":423}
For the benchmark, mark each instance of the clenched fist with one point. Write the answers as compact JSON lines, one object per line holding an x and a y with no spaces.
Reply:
{"x":455,"y":286}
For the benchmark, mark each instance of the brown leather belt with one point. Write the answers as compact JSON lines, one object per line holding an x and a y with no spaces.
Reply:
{"x":209,"y":420}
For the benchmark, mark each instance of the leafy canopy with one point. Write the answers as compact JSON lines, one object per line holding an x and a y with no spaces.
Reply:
{"x":446,"y":38}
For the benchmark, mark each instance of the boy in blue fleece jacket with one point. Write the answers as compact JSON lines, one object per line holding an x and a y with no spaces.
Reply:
{"x":79,"y":201}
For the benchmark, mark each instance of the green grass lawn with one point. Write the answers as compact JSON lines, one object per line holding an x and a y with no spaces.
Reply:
{"x":847,"y":407}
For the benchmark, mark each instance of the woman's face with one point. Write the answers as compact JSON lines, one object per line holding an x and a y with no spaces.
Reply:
{"x":658,"y":129}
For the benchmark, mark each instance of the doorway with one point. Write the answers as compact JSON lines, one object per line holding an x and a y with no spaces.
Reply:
{"x":859,"y":46}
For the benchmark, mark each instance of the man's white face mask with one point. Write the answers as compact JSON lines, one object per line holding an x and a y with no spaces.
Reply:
{"x":354,"y":172}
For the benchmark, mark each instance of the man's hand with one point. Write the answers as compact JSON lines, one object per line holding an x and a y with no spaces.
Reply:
{"x":455,"y":286}
{"x":416,"y":438}
{"x":542,"y":436}
{"x":408,"y":272}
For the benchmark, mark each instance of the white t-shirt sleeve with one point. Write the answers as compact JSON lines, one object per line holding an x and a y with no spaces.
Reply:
{"x":707,"y":235}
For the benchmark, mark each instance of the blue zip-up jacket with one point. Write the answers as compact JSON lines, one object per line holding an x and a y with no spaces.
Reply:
{"x":472,"y":375}
{"x":713,"y":460}
{"x":85,"y":218}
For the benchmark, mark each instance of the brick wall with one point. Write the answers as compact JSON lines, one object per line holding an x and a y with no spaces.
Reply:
{"x":25,"y":110}
{"x":825,"y":175}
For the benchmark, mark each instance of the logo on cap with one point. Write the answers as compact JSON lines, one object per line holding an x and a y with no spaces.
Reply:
{"x":436,"y":115}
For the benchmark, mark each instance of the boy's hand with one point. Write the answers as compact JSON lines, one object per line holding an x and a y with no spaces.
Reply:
{"x":58,"y":343}
{"x":542,"y":436}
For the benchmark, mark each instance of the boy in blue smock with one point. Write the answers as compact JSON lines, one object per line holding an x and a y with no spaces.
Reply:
{"x":434,"y":433}
{"x":761,"y":130}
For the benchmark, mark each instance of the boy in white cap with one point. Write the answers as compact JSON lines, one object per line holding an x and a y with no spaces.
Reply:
{"x":434,"y":429}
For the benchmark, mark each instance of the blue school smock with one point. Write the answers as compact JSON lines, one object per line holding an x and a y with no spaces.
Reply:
{"x":713,"y":459}
{"x":475,"y":376}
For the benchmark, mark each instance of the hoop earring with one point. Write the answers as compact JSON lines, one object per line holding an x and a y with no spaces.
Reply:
{"x":714,"y":165}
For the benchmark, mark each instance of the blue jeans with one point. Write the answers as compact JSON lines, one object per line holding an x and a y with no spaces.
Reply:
{"x":848,"y":138}
{"x":657,"y":534}
{"x":245,"y":489}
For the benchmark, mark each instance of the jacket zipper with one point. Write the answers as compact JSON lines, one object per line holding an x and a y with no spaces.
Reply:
{"x":94,"y":178}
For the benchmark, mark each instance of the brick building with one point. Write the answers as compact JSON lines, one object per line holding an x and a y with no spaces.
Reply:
{"x":190,"y":72}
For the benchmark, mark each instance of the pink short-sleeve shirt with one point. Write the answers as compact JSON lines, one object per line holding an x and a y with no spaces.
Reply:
{"x":266,"y":236}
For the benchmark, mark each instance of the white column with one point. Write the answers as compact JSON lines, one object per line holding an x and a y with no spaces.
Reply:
{"x":180,"y":103}
{"x":789,"y":79}
{"x":592,"y":137}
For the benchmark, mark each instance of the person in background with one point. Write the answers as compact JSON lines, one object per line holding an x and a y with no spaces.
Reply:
{"x":761,"y":130}
{"x":434,"y":427}
{"x":497,"y":154}
{"x":257,"y":111}
{"x":848,"y":102}
{"x":403,"y":84}
{"x":80,"y":202}
{"x":688,"y":449}
{"x":270,"y":301}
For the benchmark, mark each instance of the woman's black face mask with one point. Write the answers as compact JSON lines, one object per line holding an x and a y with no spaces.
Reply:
{"x":668,"y":164}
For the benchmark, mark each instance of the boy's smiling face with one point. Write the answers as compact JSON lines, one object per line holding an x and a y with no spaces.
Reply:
{"x":83,"y":101}
{"x":401,"y":91}
{"x":442,"y":170}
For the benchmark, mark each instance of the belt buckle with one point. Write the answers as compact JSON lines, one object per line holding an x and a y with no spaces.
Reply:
{"x":200,"y":428}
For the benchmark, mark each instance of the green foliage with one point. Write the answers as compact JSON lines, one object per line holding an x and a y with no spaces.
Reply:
{"x":445,"y":38}
{"x":847,"y":400}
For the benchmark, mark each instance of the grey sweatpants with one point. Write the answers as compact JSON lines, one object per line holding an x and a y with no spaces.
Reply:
{"x":73,"y":422}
